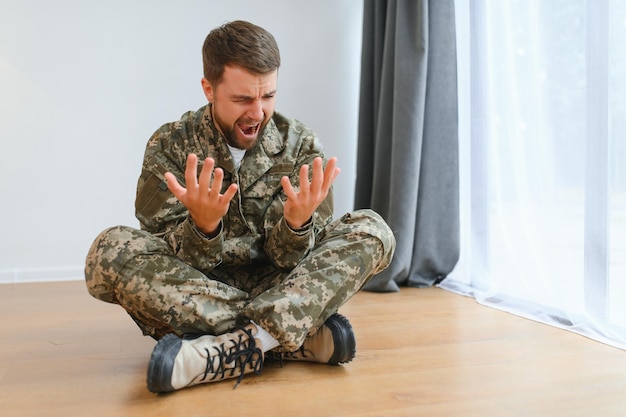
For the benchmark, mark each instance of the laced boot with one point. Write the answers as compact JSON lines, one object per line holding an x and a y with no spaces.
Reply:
{"x":182,"y":362}
{"x":334,"y":343}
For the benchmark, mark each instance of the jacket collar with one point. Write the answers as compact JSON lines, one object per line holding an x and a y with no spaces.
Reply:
{"x":257,"y":161}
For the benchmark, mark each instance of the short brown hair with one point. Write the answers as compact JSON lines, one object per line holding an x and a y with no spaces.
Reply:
{"x":239,"y":43}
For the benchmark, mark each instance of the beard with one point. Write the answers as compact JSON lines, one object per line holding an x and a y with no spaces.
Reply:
{"x":243,"y":134}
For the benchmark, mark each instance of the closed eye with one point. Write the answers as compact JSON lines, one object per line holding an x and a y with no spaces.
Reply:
{"x":269,"y":95}
{"x":246,"y":99}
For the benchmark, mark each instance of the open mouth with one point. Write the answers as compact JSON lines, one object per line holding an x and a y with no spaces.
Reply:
{"x":249,"y":130}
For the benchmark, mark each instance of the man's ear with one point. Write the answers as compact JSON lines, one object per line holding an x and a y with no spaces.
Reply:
{"x":207,"y":88}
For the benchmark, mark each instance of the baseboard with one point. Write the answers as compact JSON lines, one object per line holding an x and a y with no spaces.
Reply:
{"x":22,"y":275}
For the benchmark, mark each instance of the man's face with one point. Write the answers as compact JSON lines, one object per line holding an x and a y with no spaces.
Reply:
{"x":243,"y":103}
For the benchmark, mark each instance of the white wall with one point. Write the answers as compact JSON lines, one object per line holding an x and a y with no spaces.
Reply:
{"x":84,"y":84}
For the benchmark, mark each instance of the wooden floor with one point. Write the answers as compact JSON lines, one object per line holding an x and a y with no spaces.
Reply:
{"x":421,"y":352}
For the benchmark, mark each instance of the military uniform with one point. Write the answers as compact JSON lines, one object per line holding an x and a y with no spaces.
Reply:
{"x":171,"y":278}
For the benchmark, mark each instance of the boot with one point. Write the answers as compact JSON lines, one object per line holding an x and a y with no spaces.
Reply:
{"x":178,"y":363}
{"x":334,"y":344}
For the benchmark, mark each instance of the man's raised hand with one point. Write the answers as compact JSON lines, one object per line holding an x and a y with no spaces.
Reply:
{"x":202,"y":196}
{"x":301,"y":204}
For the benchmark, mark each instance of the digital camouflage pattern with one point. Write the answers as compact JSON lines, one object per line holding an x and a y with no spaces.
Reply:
{"x":171,"y":278}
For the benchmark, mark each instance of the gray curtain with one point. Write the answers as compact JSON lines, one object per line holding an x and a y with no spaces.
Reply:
{"x":407,"y":165}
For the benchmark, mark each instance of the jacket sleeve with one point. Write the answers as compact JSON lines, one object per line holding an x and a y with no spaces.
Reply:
{"x":159,"y":211}
{"x":284,"y":246}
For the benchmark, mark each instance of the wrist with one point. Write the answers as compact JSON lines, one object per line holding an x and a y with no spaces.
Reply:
{"x":302,"y":228}
{"x":207,"y":232}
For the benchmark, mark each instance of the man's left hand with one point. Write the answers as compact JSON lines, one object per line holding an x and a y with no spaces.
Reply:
{"x":301,"y":205}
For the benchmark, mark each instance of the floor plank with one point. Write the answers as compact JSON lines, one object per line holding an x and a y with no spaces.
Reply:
{"x":421,"y":352}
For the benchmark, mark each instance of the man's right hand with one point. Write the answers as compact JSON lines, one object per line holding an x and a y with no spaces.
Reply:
{"x":202,"y":196}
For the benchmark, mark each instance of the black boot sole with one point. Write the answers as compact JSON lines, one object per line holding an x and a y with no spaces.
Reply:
{"x":343,"y":337}
{"x":161,"y":364}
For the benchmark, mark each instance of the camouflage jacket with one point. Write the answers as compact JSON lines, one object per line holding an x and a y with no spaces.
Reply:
{"x":254,"y":229}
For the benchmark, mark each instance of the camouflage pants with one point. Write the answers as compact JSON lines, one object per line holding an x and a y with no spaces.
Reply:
{"x":163,"y":294}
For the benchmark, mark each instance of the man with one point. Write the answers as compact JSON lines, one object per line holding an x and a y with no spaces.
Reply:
{"x":242,"y":261}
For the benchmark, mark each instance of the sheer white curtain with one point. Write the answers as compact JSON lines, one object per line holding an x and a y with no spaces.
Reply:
{"x":543,"y":167}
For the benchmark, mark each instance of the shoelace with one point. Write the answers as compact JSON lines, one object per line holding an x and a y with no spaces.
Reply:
{"x":245,"y":352}
{"x":280,"y":356}
{"x":302,"y":352}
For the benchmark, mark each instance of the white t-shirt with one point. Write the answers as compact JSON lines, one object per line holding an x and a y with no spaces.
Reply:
{"x":237,"y":155}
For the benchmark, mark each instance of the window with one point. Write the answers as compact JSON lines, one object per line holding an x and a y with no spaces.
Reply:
{"x":543,"y":170}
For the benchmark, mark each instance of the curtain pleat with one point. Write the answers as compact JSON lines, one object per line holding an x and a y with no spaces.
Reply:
{"x":407,"y":165}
